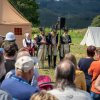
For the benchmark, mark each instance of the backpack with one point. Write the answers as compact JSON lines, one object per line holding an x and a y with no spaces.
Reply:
{"x":44,"y":82}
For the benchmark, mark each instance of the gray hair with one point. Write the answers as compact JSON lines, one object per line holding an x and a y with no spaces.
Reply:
{"x":65,"y":74}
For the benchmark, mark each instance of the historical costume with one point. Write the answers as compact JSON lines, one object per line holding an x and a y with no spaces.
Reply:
{"x":35,"y":45}
{"x":65,"y":41}
{"x":41,"y":42}
{"x":52,"y":40}
{"x":28,"y":43}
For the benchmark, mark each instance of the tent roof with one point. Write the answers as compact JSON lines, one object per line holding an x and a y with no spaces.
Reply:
{"x":92,"y":37}
{"x":9,"y":15}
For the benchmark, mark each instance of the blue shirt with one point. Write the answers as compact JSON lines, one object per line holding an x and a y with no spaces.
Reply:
{"x":4,"y":95}
{"x":18,"y":88}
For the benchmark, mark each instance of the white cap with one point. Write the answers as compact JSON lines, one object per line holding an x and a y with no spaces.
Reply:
{"x":10,"y":36}
{"x":24,"y":63}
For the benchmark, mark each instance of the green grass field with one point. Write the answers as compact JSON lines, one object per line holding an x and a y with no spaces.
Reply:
{"x":76,"y":49}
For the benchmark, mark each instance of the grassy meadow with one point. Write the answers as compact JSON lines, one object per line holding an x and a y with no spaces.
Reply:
{"x":76,"y":49}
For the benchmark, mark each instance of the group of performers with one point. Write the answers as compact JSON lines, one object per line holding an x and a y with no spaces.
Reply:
{"x":49,"y":45}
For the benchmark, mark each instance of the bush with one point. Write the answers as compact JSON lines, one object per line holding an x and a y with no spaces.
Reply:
{"x":96,"y":21}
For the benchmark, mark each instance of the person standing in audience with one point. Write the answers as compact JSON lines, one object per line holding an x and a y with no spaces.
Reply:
{"x":18,"y":85}
{"x":11,"y":39}
{"x":9,"y":56}
{"x":80,"y":81}
{"x":94,"y":71}
{"x":65,"y":87}
{"x":2,"y":66}
{"x":41,"y":42}
{"x":3,"y":95}
{"x":28,"y":43}
{"x":84,"y":64}
{"x":52,"y":40}
{"x":65,"y":40}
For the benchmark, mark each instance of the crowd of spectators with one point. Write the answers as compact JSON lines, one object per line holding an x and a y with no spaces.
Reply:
{"x":20,"y":78}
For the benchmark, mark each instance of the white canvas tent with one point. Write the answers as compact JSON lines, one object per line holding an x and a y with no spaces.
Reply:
{"x":92,"y":37}
{"x":12,"y":21}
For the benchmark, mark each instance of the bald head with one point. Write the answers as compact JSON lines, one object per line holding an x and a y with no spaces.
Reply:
{"x":65,"y":71}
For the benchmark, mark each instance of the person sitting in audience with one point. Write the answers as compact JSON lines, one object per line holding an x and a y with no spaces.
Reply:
{"x":80,"y":81}
{"x":18,"y":85}
{"x":9,"y":56}
{"x":97,"y":83}
{"x":94,"y":70}
{"x":43,"y":95}
{"x":66,"y":90}
{"x":84,"y":64}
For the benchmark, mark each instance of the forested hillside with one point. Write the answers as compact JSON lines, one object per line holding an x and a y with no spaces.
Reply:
{"x":78,"y":13}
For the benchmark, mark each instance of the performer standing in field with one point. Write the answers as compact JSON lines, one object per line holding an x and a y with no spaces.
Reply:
{"x":65,"y":40}
{"x":52,"y":40}
{"x":41,"y":42}
{"x":28,"y":43}
{"x":35,"y":44}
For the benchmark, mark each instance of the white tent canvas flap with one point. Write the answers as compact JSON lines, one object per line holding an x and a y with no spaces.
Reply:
{"x":92,"y":37}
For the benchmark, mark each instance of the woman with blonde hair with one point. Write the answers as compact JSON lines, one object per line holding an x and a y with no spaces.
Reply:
{"x":80,"y":81}
{"x":43,"y":95}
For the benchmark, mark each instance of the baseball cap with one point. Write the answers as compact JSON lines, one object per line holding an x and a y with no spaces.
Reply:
{"x":10,"y":36}
{"x":24,"y":63}
{"x":44,"y":82}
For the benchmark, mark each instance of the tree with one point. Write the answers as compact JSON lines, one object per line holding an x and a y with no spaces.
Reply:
{"x":28,"y":8}
{"x":96,"y":21}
